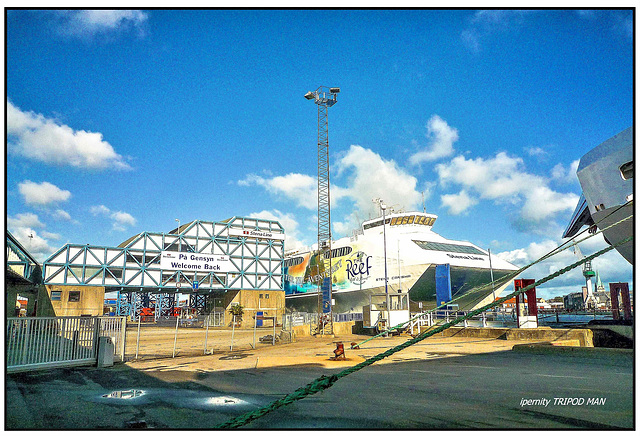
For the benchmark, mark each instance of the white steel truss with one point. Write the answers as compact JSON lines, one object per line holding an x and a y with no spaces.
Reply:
{"x":135,"y":265}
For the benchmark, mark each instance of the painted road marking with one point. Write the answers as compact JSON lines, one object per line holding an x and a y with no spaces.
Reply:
{"x":473,"y":366}
{"x":560,"y":376}
{"x":434,"y":372}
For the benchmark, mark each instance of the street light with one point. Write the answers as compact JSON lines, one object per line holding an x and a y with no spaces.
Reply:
{"x":324,"y":97}
{"x":178,"y":225}
{"x":384,"y":233}
{"x":386,"y":286}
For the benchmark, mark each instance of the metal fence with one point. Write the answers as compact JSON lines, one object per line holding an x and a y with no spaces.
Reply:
{"x":49,"y":342}
{"x":302,"y":318}
{"x":484,"y":319}
{"x":215,"y":319}
{"x":114,"y":327}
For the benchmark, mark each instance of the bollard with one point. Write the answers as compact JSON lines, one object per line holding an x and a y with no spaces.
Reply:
{"x":206,"y":335}
{"x":138,"y":338}
{"x":175,"y":337}
{"x":233,"y":330}
{"x":339,"y":352}
{"x":255,"y":327}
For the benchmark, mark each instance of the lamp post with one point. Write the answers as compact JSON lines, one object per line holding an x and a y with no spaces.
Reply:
{"x":324,"y":98}
{"x":384,"y":236}
{"x":386,"y":285}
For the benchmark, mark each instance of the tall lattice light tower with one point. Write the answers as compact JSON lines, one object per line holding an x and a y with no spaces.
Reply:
{"x":324,"y":97}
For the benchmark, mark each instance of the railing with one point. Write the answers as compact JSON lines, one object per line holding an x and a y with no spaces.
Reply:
{"x":215,"y":319}
{"x":115,"y":327}
{"x":428,"y":319}
{"x":49,"y":342}
{"x":303,"y":318}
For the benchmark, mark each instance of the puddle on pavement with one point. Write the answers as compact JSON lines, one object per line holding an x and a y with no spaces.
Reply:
{"x":178,"y":398}
{"x":125,"y":395}
{"x":225,"y":401}
{"x":234,"y":356}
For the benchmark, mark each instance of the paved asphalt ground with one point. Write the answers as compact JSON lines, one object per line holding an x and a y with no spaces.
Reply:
{"x":440,"y":383}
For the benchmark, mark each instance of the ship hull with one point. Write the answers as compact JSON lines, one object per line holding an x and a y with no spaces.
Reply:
{"x":421,"y":290}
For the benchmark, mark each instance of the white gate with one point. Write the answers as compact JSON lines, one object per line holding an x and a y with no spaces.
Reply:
{"x":114,"y":327}
{"x":215,"y":319}
{"x":51,"y":342}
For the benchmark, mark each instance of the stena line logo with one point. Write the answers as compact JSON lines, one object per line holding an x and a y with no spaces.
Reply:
{"x":256,"y":234}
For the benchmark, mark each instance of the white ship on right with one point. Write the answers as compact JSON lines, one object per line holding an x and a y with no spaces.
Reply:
{"x":606,"y":177}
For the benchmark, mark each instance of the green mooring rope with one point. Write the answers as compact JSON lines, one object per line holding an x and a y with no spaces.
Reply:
{"x":325,"y":382}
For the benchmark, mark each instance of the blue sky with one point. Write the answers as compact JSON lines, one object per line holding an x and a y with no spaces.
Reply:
{"x":124,"y":121}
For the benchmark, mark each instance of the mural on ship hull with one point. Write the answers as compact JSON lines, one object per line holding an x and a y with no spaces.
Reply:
{"x":351,"y":269}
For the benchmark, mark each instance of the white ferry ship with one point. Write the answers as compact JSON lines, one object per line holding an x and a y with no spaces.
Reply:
{"x":606,"y":177}
{"x":413,"y":250}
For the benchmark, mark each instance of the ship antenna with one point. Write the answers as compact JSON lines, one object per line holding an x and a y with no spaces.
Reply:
{"x":424,"y":209}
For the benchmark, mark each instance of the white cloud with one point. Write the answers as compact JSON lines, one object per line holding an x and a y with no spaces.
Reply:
{"x":361,"y":175}
{"x":123,"y":218}
{"x":542,"y":202}
{"x":45,"y":140}
{"x":49,"y":235}
{"x":120,"y":219}
{"x":87,"y":23}
{"x":24,"y":220}
{"x":620,"y":21}
{"x":442,"y":137}
{"x":458,"y":203}
{"x":566,"y":175}
{"x":370,"y":176}
{"x":536,"y":151}
{"x":37,"y":246}
{"x":100,"y":210}
{"x":503,"y":179}
{"x":300,"y":188}
{"x":288,"y":221}
{"x":470,"y":39}
{"x":486,"y":22}
{"x":62,"y":215}
{"x":23,"y":226}
{"x":611,"y":266}
{"x":42,"y":194}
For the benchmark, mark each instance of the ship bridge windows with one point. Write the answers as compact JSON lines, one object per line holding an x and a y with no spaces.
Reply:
{"x":376,"y":224}
{"x":292,"y":262}
{"x":339,"y":252}
{"x":452,"y":248}
{"x":404,"y":220}
{"x":413,"y":219}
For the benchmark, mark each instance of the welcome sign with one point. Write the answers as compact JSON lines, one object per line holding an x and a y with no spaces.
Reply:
{"x":171,"y":260}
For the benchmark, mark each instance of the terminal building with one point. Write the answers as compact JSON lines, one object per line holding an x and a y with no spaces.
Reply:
{"x":237,"y":261}
{"x":23,"y":281}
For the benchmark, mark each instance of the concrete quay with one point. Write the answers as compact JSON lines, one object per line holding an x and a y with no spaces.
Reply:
{"x":446,"y":382}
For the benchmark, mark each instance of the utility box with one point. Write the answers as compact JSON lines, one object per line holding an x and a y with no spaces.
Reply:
{"x":105,"y":352}
{"x":376,"y":313}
